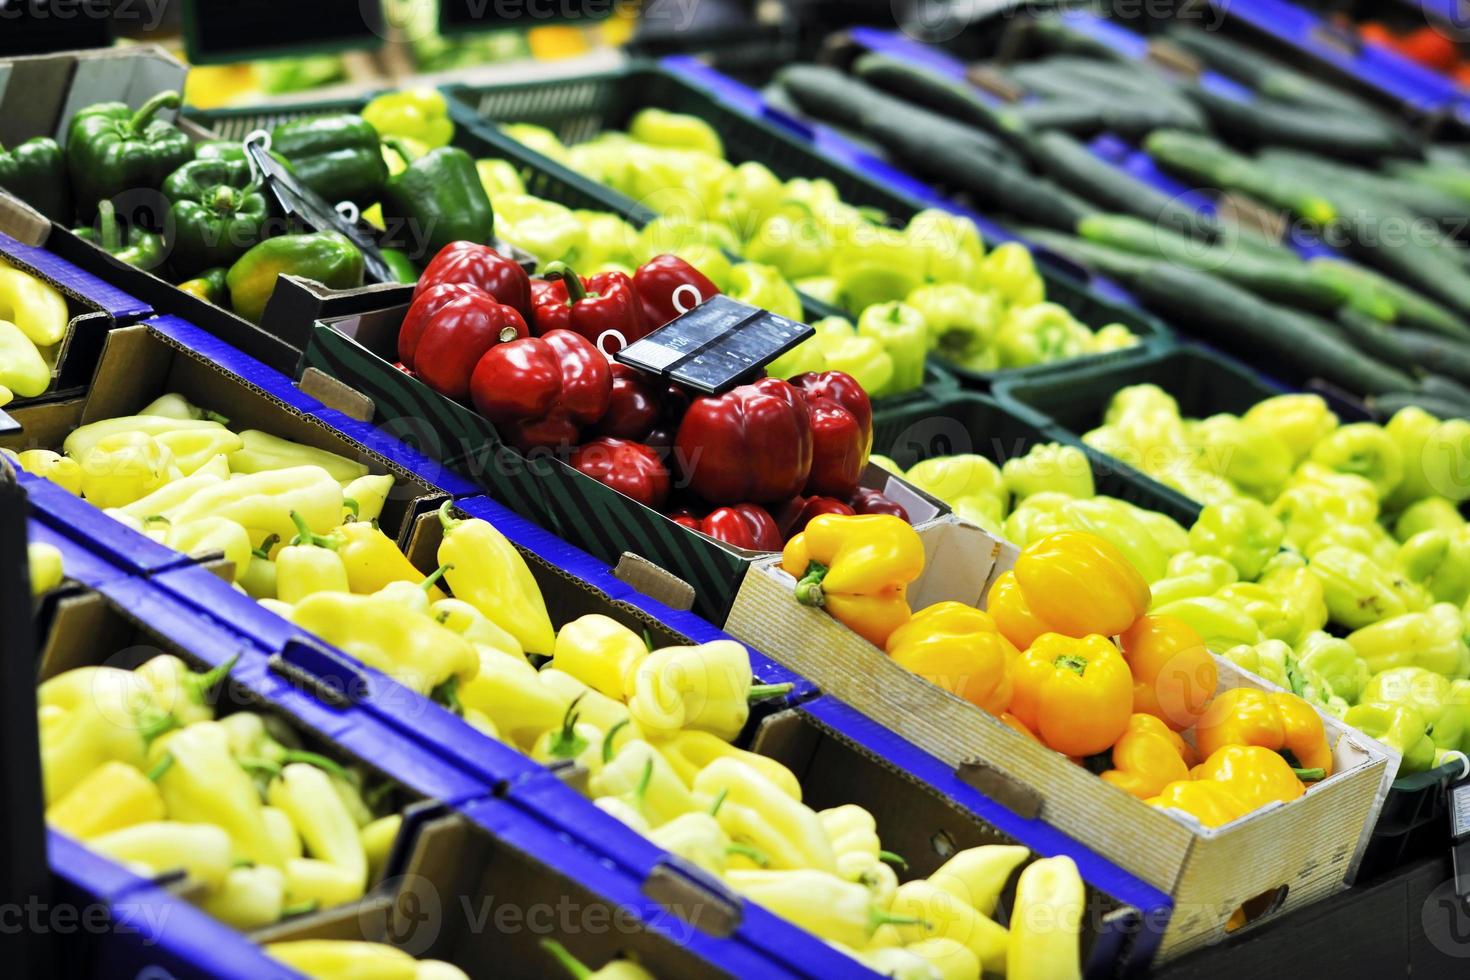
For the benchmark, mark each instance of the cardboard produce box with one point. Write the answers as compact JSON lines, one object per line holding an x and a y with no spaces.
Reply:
{"x":1273,"y":860}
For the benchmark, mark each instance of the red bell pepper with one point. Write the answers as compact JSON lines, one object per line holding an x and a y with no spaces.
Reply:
{"x":480,"y":265}
{"x":643,"y":408}
{"x":867,"y":501}
{"x":685,"y":517}
{"x":630,"y":468}
{"x":745,"y":526}
{"x":793,"y":516}
{"x":604,"y":308}
{"x":842,"y":431}
{"x":448,"y":329}
{"x":541,"y":391}
{"x":669,"y":287}
{"x":751,"y":444}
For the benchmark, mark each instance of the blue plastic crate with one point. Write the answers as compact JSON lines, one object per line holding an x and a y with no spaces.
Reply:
{"x":63,"y":519}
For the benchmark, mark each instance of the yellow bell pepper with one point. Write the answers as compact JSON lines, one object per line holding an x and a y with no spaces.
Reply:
{"x":201,"y":850}
{"x":1148,"y":757}
{"x":707,"y":688}
{"x":858,"y":568}
{"x":957,"y":647}
{"x":489,"y":573}
{"x":60,"y":470}
{"x":1254,"y":774}
{"x":1078,"y":584}
{"x":1280,"y":722}
{"x":1075,"y":694}
{"x":1046,"y":922}
{"x":1013,"y":617}
{"x":112,"y":796}
{"x":1212,"y":804}
{"x":755,"y":811}
{"x":1174,"y":675}
{"x":600,"y":652}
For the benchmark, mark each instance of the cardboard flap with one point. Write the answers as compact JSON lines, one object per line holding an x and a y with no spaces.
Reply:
{"x":22,"y":222}
{"x":131,"y":75}
{"x":336,"y":394}
{"x":655,"y":582}
{"x":687,"y":896}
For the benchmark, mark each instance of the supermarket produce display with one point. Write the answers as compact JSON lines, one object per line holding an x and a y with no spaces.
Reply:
{"x":961,"y":503}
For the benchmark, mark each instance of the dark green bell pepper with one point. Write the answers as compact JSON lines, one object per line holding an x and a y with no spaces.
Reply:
{"x":339,"y":157}
{"x":111,"y":149}
{"x":400,"y":265}
{"x":437,"y":199}
{"x":230,"y":150}
{"x":139,"y":246}
{"x":35,"y":172}
{"x":210,"y":286}
{"x":326,"y":257}
{"x":219,"y":214}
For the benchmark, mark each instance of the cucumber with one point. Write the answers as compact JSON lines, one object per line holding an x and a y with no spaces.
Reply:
{"x":1266,"y":122}
{"x":1445,"y":178}
{"x":1076,"y":116}
{"x":1260,"y":72}
{"x":1376,"y":339}
{"x":1438,"y":354}
{"x":1131,"y":101}
{"x":1442,"y":387}
{"x":1292,"y":283}
{"x":1076,"y":167}
{"x":1378,"y":296}
{"x":936,"y":147}
{"x":931,"y":90}
{"x":1380,"y":237}
{"x":1100,"y":259}
{"x":1386,"y":405}
{"x":1199,"y":158}
{"x":1226,"y":315}
{"x":1052,"y":35}
{"x":1424,"y":200}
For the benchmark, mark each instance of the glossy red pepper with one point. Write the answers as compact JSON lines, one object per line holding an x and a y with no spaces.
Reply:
{"x":473,"y":264}
{"x":793,"y":516}
{"x":868,"y":501}
{"x":448,"y":329}
{"x":842,"y":431}
{"x":753,"y":444}
{"x":630,"y":468}
{"x":541,"y":391}
{"x":636,"y":405}
{"x":669,"y":287}
{"x":745,"y":526}
{"x":604,"y":308}
{"x":685,"y":518}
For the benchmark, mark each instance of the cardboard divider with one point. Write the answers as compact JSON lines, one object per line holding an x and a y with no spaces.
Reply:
{"x":1208,"y":873}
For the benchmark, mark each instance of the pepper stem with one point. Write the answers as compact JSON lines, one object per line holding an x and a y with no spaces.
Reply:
{"x":300,"y":908}
{"x":1310,"y":775}
{"x":566,"y":743}
{"x":507,"y":334}
{"x":448,"y":694}
{"x":264,"y":551}
{"x":152,"y":725}
{"x":110,"y":234}
{"x":254,"y":764}
{"x":607,"y":740}
{"x":305,"y":535}
{"x":714,"y":809}
{"x":897,"y":860}
{"x":160,"y":767}
{"x":759,"y":691}
{"x":151,"y":108}
{"x":216,"y":417}
{"x":435,"y":576}
{"x":447,"y":519}
{"x":563,"y":956}
{"x":576,"y":292}
{"x":197,"y":684}
{"x":1072,"y":662}
{"x":757,"y":855}
{"x":809,"y":589}
{"x":330,"y":766}
{"x":224,"y":200}
{"x":877,"y":917}
{"x":643,"y":783}
{"x":397,"y":146}
{"x":352,"y":506}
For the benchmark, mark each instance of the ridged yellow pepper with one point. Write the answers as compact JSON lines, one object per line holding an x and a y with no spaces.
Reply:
{"x":1078,"y":584}
{"x":1075,"y":694}
{"x":1212,"y":804}
{"x":858,"y":568}
{"x":957,"y":647}
{"x":706,"y":688}
{"x":1280,"y":722}
{"x":1253,"y":773}
{"x":1174,"y":676}
{"x":1148,"y":757}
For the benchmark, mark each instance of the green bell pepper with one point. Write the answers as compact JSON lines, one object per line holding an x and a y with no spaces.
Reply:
{"x":1433,"y":639}
{"x":608,"y":238}
{"x":1248,"y":456}
{"x":111,"y":149}
{"x":1357,"y":590}
{"x":211,"y":285}
{"x":950,"y":244}
{"x":1167,"y":533}
{"x":35,"y":172}
{"x":657,"y":127}
{"x":805,"y":357}
{"x":863,"y":358}
{"x":765,"y":287}
{"x":400,"y":265}
{"x":1190,"y":576}
{"x":1113,"y":337}
{"x":218,"y":214}
{"x":1010,"y":272}
{"x":1440,"y":561}
{"x":983,"y":512}
{"x":420,"y":114}
{"x":1399,"y":727}
{"x":1049,"y":466}
{"x":901,"y":330}
{"x":1221,"y":624}
{"x":959,"y":322}
{"x":1429,"y":514}
{"x":326,"y":257}
{"x":436,"y":200}
{"x":1428,"y":693}
{"x":1119,"y":522}
{"x":1268,"y":660}
{"x":749,"y":194}
{"x":1242,"y":531}
{"x":795,"y":243}
{"x":820,"y":288}
{"x":233,"y":152}
{"x":1036,"y":517}
{"x":1039,"y":334}
{"x":139,"y":247}
{"x":874,"y":268}
{"x":1298,"y":421}
{"x":1277,"y":619}
{"x":1195,"y":483}
{"x":338,"y":156}
{"x":1307,"y":508}
{"x":1366,"y":450}
{"x":1433,"y":454}
{"x":1330,"y":672}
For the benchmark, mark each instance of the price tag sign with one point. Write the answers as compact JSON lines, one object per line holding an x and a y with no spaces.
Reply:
{"x":244,"y":30}
{"x":463,"y":16}
{"x":45,"y":26}
{"x":717,"y":345}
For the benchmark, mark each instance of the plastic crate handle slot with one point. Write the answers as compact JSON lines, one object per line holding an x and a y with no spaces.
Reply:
{"x":321,"y":671}
{"x":693,"y":897}
{"x":1003,"y":788}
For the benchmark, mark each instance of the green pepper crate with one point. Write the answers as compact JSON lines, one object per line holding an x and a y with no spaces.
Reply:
{"x":543,"y":178}
{"x":579,"y":108}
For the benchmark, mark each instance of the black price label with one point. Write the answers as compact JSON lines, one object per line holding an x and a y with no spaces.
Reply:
{"x":241,"y":30}
{"x":44,"y":26}
{"x":717,"y":345}
{"x":460,"y":16}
